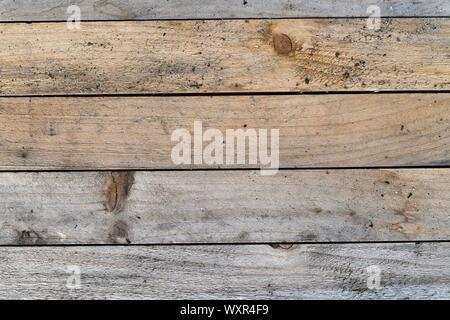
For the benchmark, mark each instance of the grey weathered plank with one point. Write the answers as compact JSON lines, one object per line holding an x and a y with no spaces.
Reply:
{"x":135,"y":132}
{"x":408,"y":271}
{"x":224,"y":206}
{"x":56,"y":10}
{"x":224,"y":56}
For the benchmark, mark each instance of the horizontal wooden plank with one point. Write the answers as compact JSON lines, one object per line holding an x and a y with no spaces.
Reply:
{"x":135,"y":132}
{"x":224,"y":56}
{"x":224,"y":206}
{"x":56,"y":10}
{"x":407,"y":271}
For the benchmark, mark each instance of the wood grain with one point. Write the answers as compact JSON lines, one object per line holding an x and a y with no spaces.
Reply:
{"x":408,"y":271}
{"x":56,"y":10}
{"x":181,"y":211}
{"x":224,"y":56}
{"x":224,"y":206}
{"x":135,"y":132}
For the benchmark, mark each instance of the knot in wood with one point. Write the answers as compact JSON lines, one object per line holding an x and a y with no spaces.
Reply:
{"x":282,"y":43}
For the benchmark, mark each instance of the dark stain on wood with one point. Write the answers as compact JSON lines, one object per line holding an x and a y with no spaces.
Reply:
{"x":244,"y":235}
{"x":115,"y":9}
{"x":118,"y":188}
{"x":284,"y":246}
{"x":119,"y":233}
{"x":29,"y":237}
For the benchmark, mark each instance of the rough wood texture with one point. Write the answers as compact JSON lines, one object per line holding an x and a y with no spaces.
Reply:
{"x":224,"y":206}
{"x":135,"y":132}
{"x":224,"y":56}
{"x":56,"y":10}
{"x":408,"y":271}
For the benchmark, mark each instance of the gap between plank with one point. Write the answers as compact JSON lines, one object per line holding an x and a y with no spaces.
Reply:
{"x":224,"y":169}
{"x":225,"y":19}
{"x":218,"y":94}
{"x":197,"y":244}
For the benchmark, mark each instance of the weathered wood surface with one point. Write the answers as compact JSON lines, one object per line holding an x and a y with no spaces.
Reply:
{"x":224,"y":56}
{"x":408,"y":271}
{"x":56,"y":10}
{"x":135,"y":132}
{"x":224,"y":206}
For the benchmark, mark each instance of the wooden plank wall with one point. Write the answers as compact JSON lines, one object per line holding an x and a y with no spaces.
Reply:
{"x":56,"y":10}
{"x":87,"y":180}
{"x":310,"y":271}
{"x":315,"y":130}
{"x":226,"y":206}
{"x":244,"y":56}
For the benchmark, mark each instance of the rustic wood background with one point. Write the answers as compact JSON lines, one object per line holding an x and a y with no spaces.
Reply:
{"x":86,"y":177}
